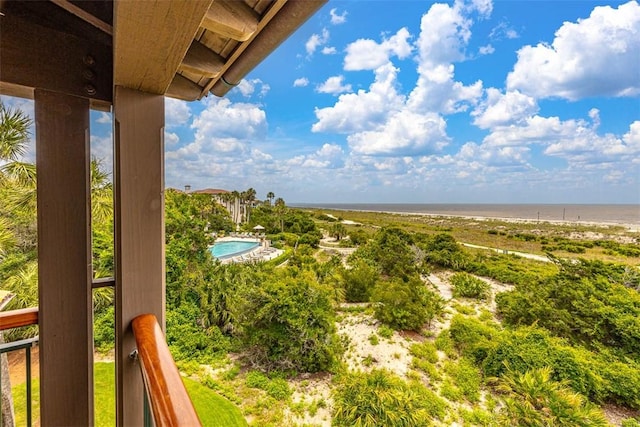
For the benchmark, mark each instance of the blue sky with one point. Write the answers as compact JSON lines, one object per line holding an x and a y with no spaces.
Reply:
{"x":422,"y":102}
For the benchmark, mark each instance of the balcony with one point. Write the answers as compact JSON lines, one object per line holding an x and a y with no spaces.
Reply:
{"x":166,"y":400}
{"x":123,"y":57}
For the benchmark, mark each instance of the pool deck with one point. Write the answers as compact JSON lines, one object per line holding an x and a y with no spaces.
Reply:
{"x":263,"y":252}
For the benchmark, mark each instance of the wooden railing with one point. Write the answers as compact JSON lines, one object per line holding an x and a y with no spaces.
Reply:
{"x":168,"y":398}
{"x":16,"y":319}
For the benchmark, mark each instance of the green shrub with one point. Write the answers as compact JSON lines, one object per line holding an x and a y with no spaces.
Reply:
{"x":406,"y":305}
{"x":256,"y":379}
{"x":288,"y":323}
{"x":425,"y":350}
{"x":535,"y":399}
{"x":385,"y":331}
{"x":380,"y":398}
{"x":467,"y":286}
{"x":359,"y":281}
{"x":473,"y":338}
{"x":466,"y":377}
{"x":630,"y":422}
{"x":278,"y":388}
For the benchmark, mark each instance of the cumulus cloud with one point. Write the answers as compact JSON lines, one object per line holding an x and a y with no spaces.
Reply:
{"x":363,"y":110}
{"x":338,"y":18}
{"x":596,"y":56}
{"x":444,"y":34}
{"x":334,"y":85}
{"x":249,"y":87}
{"x":223,"y":122}
{"x":404,"y":133}
{"x":329,"y":156}
{"x":576,"y":141}
{"x":501,"y":109}
{"x":105,"y":118}
{"x":176,"y":112}
{"x":329,"y":50}
{"x":301,"y":82}
{"x":316,"y":40}
{"x":366,"y":54}
{"x":171,"y":139}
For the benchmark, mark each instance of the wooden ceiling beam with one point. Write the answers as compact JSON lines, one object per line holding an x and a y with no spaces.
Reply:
{"x":85,"y":16}
{"x":151,"y":38}
{"x":38,"y":57}
{"x":233,"y":19}
{"x":183,"y":88}
{"x":202,"y":60}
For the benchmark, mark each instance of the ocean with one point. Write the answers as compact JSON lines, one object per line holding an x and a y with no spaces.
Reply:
{"x":615,"y":214}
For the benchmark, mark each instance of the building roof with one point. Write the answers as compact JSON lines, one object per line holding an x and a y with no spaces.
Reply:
{"x":182,"y":49}
{"x":211,"y":191}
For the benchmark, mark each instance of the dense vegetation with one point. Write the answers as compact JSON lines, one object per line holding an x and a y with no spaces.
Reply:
{"x":563,"y":336}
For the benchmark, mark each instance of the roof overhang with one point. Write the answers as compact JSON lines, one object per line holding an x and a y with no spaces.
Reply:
{"x":183,"y":49}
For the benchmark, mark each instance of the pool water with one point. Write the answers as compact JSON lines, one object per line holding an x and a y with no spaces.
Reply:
{"x":223,"y":250}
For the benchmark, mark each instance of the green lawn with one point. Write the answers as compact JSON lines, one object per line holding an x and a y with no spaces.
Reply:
{"x":213,"y":409}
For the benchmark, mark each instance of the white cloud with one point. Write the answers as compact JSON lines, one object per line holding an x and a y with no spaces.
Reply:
{"x":329,"y":50}
{"x":316,"y":40}
{"x":486,"y":50}
{"x":171,"y":139}
{"x":105,"y":118}
{"x":366,"y":54}
{"x":334,"y":85}
{"x":329,"y":156}
{"x":337,"y":19}
{"x":249,"y":87}
{"x":575,"y":141}
{"x":501,"y":109}
{"x":176,"y":112}
{"x":444,"y":34}
{"x":225,"y":122}
{"x":363,"y":110}
{"x":503,"y":31}
{"x":596,"y":56}
{"x":403,"y":134}
{"x":301,"y":82}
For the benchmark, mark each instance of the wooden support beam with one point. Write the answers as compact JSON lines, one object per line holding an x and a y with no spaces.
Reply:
{"x":35,"y":56}
{"x":84,"y":15}
{"x":202,"y":60}
{"x":64,"y":259}
{"x":151,"y":38}
{"x":139,"y":237}
{"x":233,"y":19}
{"x":183,"y":88}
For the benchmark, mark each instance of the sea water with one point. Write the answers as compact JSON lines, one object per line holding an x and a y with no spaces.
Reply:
{"x":615,"y":214}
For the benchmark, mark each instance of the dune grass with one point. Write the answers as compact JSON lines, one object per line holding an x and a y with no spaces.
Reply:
{"x":213,"y":409}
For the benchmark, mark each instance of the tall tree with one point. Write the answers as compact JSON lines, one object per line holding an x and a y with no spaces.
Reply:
{"x":281,"y":210}
{"x":270,"y":197}
{"x":14,"y":135}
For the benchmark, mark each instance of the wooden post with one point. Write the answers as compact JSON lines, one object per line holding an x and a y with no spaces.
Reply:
{"x":139,"y":236}
{"x":64,"y":259}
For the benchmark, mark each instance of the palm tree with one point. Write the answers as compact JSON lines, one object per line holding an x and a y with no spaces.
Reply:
{"x":14,"y":133}
{"x":250,"y":198}
{"x":270,"y":197}
{"x":281,"y":209}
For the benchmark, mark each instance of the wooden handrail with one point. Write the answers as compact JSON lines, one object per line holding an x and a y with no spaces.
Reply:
{"x":17,"y":318}
{"x":168,"y":398}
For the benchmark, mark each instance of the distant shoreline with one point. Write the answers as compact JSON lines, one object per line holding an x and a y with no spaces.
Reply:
{"x":471,"y":211}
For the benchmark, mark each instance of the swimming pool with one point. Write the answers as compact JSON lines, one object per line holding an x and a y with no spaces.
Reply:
{"x":228,"y":249}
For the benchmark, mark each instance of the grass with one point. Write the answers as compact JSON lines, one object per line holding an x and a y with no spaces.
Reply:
{"x":213,"y":409}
